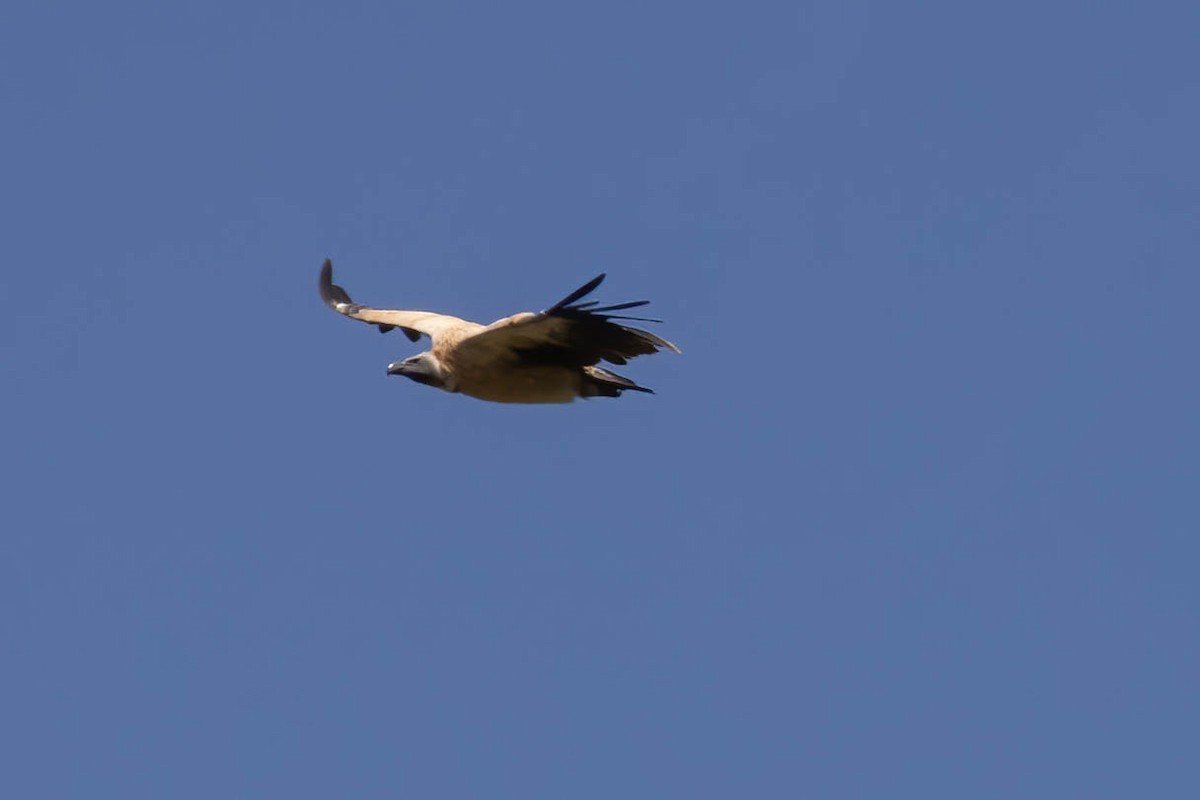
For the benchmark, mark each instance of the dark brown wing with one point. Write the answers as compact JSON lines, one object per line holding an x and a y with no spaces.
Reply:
{"x":569,"y":334}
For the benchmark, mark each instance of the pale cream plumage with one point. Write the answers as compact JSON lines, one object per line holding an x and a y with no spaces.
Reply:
{"x":545,"y":357}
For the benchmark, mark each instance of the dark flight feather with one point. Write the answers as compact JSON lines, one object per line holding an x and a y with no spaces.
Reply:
{"x":592,"y":335}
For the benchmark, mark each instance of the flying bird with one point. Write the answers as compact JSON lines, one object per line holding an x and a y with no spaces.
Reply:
{"x":545,"y":357}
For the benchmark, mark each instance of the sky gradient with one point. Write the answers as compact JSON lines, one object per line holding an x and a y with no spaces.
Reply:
{"x":914,"y":514}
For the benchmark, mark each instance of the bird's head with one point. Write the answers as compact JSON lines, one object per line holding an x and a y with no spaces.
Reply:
{"x":423,"y":368}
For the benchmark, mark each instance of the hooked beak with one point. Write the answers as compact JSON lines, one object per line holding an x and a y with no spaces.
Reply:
{"x":414,"y":370}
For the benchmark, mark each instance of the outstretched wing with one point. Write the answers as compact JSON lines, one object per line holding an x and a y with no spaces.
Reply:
{"x":568,"y":334}
{"x":412,"y":323}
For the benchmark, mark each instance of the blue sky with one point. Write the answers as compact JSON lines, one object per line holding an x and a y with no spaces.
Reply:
{"x":914,"y":515}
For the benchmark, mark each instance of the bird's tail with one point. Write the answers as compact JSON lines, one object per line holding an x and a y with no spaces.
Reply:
{"x":599,"y":382}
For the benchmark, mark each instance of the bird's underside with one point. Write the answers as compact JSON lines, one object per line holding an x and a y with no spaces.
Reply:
{"x":552,"y":356}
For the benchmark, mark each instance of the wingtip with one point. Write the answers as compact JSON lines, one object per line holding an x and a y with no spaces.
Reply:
{"x":579,"y":293}
{"x":325,"y":282}
{"x":331,"y":293}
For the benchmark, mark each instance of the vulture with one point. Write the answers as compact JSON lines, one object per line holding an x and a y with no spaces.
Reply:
{"x":547,"y":357}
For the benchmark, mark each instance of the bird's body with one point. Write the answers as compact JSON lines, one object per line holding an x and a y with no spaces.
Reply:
{"x":545,"y":357}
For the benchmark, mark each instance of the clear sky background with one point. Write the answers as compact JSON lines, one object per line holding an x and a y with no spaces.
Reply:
{"x":915,"y":514}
